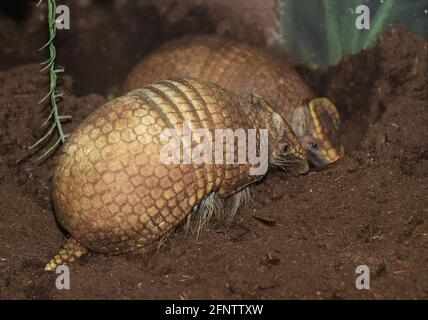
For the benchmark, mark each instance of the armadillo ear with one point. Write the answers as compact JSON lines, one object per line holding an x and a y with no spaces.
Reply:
{"x":277,"y":120}
{"x":261,"y":102}
{"x":300,"y":121}
{"x":281,"y":126}
{"x":324,"y":113}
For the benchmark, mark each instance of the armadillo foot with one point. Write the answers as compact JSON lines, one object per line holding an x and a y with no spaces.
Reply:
{"x":70,"y":250}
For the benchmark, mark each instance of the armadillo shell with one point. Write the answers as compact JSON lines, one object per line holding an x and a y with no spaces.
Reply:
{"x":112,"y":192}
{"x":236,"y":66}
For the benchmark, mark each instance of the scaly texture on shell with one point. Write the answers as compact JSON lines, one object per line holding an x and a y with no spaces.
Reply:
{"x":110,"y":189}
{"x":236,"y":66}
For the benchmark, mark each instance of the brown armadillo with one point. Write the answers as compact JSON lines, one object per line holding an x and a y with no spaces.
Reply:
{"x":114,"y":193}
{"x":245,"y":70}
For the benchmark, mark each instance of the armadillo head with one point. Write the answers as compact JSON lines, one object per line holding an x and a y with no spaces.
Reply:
{"x":285,"y":150}
{"x":317,"y":127}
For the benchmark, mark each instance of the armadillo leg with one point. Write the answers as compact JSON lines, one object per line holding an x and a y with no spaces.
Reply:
{"x":70,"y":250}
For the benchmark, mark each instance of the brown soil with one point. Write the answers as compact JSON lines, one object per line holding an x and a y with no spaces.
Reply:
{"x":302,"y":238}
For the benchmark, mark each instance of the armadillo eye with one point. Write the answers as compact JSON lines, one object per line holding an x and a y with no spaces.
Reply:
{"x":285,"y":148}
{"x":314,"y":146}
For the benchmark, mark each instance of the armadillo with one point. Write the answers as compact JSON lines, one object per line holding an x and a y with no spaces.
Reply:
{"x":245,"y":70}
{"x":114,"y":193}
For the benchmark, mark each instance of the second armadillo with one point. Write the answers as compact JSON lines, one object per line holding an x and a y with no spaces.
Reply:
{"x":245,"y":70}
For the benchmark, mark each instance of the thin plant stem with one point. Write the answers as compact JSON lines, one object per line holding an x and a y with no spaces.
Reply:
{"x":53,"y":93}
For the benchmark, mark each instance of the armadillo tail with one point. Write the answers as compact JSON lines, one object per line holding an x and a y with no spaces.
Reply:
{"x":70,"y":250}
